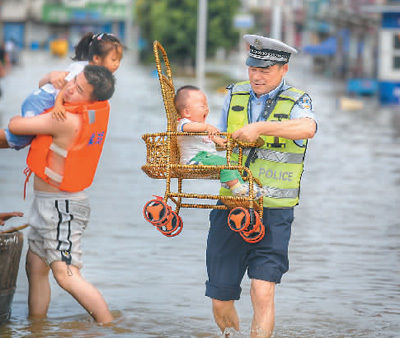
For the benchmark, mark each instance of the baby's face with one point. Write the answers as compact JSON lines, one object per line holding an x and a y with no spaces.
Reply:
{"x":197,"y":106}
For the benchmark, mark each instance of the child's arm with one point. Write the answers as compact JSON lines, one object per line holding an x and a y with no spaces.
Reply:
{"x":4,"y":216}
{"x":5,"y":66}
{"x":3,"y":140}
{"x":212,"y":131}
{"x":58,"y":111}
{"x":56,"y":78}
{"x":219,"y":140}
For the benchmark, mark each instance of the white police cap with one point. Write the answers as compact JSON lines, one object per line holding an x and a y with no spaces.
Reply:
{"x":265,"y":52}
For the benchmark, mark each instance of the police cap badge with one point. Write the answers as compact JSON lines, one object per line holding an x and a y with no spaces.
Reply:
{"x":265,"y":52}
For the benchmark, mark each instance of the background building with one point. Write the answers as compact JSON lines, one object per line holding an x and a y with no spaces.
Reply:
{"x":34,"y":23}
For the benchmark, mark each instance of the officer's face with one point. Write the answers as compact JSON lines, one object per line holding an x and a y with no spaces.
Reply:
{"x":263,"y":80}
{"x":196,"y":108}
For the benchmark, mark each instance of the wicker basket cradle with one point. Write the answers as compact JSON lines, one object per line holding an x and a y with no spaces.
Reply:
{"x":162,"y":160}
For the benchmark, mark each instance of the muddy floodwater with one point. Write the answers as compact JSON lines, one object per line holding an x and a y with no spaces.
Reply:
{"x":344,"y":277}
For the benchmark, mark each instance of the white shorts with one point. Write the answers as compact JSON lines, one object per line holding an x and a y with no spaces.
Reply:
{"x":57,"y":222}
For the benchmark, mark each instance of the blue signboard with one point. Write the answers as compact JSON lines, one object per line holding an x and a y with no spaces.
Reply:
{"x":389,"y":92}
{"x":391,"y":20}
{"x":14,"y":31}
{"x":360,"y":86}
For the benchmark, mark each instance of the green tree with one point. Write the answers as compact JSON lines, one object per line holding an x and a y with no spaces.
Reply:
{"x":174,"y":24}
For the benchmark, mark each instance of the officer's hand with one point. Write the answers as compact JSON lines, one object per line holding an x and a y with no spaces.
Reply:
{"x":248,"y":133}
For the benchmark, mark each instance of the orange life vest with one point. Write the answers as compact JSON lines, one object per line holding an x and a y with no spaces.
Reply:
{"x":81,"y":159}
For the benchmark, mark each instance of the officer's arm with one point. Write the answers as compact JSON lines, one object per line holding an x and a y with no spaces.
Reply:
{"x":303,"y":128}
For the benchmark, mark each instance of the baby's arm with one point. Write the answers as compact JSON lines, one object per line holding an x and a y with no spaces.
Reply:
{"x":212,"y":131}
{"x":199,"y":127}
{"x":219,"y":140}
{"x":56,"y":78}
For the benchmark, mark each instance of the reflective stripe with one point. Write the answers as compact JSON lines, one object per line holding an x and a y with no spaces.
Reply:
{"x":241,"y":87}
{"x":274,"y":156}
{"x":58,"y":150}
{"x":280,"y":193}
{"x":53,"y":175}
{"x":291,"y":94}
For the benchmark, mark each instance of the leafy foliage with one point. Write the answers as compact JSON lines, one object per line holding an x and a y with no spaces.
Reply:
{"x":174,"y":24}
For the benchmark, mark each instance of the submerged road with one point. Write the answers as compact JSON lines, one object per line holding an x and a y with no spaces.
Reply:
{"x":344,"y":254}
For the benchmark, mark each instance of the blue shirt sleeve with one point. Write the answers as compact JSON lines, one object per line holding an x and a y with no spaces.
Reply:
{"x":222,"y":125}
{"x":303,"y":108}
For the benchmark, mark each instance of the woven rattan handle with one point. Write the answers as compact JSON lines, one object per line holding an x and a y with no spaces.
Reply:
{"x":10,"y":230}
{"x":157,"y":48}
{"x":257,"y":144}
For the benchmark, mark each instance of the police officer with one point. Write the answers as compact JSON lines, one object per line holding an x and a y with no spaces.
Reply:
{"x":267,"y":107}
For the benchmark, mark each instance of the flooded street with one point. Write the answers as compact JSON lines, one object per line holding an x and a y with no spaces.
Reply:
{"x":344,"y":277}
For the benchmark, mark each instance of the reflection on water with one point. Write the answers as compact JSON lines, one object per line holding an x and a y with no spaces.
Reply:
{"x":344,"y":277}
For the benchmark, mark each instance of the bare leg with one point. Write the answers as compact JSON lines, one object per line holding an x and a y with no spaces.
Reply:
{"x":225,"y":314}
{"x":70,"y":279}
{"x":230,"y":184}
{"x":3,"y":141}
{"x":262,"y":297}
{"x":39,"y":287}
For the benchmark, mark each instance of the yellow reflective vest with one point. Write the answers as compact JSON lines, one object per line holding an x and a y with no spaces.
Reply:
{"x":279,"y":163}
